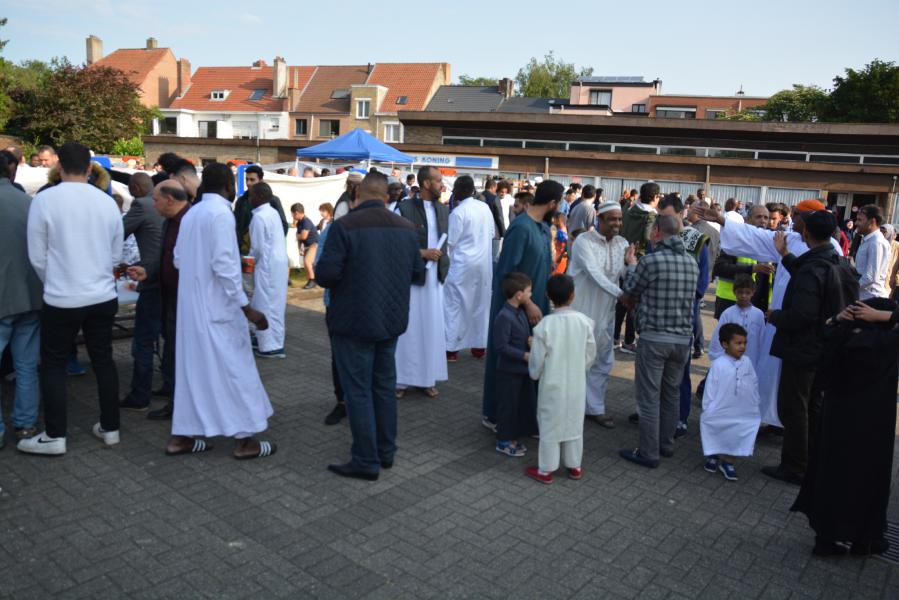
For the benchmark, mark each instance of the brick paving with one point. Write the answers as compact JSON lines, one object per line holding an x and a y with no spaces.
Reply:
{"x":452,"y":519}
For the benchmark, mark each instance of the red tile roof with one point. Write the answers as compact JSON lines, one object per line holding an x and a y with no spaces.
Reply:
{"x":242,"y":82}
{"x":413,"y":80}
{"x":136,"y":63}
{"x":317,"y":96}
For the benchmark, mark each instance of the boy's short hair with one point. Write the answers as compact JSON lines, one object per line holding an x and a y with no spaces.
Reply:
{"x":728,"y":331}
{"x":559,"y":288}
{"x":524,"y":198}
{"x":515,"y":282}
{"x":297,"y":208}
{"x":326,"y":207}
{"x":744,"y":282}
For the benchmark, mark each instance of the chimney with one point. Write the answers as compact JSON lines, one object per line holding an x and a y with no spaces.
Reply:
{"x":94,"y":49}
{"x":152,"y":44}
{"x":259,"y":63}
{"x":506,"y":87}
{"x":279,"y":78}
{"x":183,"y":76}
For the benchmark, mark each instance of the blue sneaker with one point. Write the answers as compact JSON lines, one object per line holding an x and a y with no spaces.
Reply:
{"x":510,"y":448}
{"x":728,"y":470}
{"x":711,"y":465}
{"x":74,"y":368}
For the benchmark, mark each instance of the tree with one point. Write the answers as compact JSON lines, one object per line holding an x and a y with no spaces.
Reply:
{"x":802,"y":103}
{"x":747,"y":114}
{"x":92,"y":105}
{"x":469,"y":80}
{"x":549,"y":78}
{"x":867,"y":96}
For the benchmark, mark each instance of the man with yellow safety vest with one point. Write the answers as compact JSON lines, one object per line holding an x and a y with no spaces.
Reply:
{"x":727,"y":267}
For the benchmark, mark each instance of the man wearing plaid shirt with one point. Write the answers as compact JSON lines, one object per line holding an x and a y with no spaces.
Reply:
{"x":662,"y":285}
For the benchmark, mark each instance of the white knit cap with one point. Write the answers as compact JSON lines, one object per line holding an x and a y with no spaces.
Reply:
{"x":607,"y":206}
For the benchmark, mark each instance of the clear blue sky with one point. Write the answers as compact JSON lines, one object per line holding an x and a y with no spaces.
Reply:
{"x":697,"y":47}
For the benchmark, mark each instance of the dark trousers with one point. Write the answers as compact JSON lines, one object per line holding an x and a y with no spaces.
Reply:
{"x":147,"y":323}
{"x":169,"y":324}
{"x":516,"y":406}
{"x":798,"y":405}
{"x":698,"y":333}
{"x":368,"y":375}
{"x":623,"y":315}
{"x":335,"y":378}
{"x":59,"y":326}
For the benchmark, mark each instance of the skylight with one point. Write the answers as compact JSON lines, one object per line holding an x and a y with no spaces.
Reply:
{"x":340,"y":94}
{"x":402,"y":100}
{"x":257,"y":94}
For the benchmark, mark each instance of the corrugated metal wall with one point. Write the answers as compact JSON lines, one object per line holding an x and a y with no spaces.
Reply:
{"x":790,"y":196}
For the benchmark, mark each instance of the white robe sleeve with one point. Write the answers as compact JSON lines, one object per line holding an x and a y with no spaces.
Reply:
{"x":590,"y":264}
{"x":590,"y":354}
{"x":740,"y":239}
{"x":537,"y":356}
{"x":257,"y":238}
{"x":226,"y":259}
{"x":716,"y":383}
{"x":454,"y":232}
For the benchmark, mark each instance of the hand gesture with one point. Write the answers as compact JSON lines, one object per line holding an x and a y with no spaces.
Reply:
{"x":862,"y":312}
{"x":533,"y":313}
{"x":256,"y":318}
{"x":432,"y":254}
{"x":763,"y":268}
{"x":780,"y":243}
{"x":707,"y":213}
{"x":136,"y":273}
{"x":630,"y":255}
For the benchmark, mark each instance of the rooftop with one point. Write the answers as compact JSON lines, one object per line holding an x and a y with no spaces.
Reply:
{"x":409,"y":81}
{"x":136,"y":63}
{"x":248,"y":88}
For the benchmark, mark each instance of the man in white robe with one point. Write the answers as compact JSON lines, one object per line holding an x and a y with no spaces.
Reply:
{"x":217,"y":389}
{"x":270,"y":272}
{"x":597,"y":265}
{"x":470,"y":277}
{"x":742,"y":239}
{"x":421,"y":350}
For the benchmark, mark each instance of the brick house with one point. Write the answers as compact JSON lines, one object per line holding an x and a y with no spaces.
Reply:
{"x":159,"y":75}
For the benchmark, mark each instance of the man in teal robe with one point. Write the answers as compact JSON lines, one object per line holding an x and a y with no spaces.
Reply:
{"x":526,"y":249}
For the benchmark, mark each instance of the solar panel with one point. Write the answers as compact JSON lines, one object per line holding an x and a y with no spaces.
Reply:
{"x":257,"y":94}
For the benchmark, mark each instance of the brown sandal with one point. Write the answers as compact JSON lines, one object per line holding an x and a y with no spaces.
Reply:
{"x":431,"y":392}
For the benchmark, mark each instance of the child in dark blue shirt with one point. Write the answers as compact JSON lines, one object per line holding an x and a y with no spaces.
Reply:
{"x":516,"y":394}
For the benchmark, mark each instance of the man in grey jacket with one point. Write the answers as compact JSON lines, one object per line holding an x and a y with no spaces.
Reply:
{"x":20,"y":303}
{"x":145,"y":223}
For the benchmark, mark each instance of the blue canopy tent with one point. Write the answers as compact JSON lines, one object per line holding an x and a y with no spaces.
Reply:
{"x":357,"y":145}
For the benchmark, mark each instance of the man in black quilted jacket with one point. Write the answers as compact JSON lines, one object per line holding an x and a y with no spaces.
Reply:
{"x":368,"y":263}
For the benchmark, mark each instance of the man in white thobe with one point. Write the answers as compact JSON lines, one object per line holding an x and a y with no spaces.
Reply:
{"x":421,"y":350}
{"x":743,"y":239}
{"x":597,"y":265}
{"x":217,"y":386}
{"x":470,"y":277}
{"x":268,"y":249}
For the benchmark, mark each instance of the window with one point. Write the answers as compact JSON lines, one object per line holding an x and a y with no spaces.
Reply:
{"x":340,"y":94}
{"x":589,"y":147}
{"x":393,"y":133}
{"x":635,"y":149}
{"x":328,"y":127}
{"x":257,"y":95}
{"x":545,"y":145}
{"x":675,"y":151}
{"x":638,"y":108}
{"x":402,"y":99}
{"x":715,"y":113}
{"x":676,"y":112}
{"x":245,"y":130}
{"x":168,"y":126}
{"x":761,"y":114}
{"x":451,"y":141}
{"x":208,"y":129}
{"x":601,"y":97}
{"x":301,"y":127}
{"x":275,"y":125}
{"x":718,"y":153}
{"x":218,"y":94}
{"x":781,"y":156}
{"x":363,"y":108}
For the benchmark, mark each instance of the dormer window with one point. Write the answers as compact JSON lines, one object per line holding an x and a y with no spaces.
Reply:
{"x":218,"y":94}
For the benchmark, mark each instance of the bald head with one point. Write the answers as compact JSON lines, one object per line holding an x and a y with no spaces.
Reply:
{"x":759,"y":216}
{"x":373,"y":187}
{"x":140,"y":185}
{"x":169,"y":198}
{"x":186,"y":175}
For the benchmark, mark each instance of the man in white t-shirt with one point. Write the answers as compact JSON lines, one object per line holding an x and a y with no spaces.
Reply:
{"x":74,"y":243}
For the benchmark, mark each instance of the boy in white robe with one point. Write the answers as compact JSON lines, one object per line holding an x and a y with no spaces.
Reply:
{"x":730,"y":406}
{"x":562,"y":351}
{"x":268,"y":249}
{"x":747,"y":316}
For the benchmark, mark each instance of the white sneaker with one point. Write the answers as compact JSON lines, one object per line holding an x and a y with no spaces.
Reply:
{"x":110,"y":438}
{"x":43,"y":444}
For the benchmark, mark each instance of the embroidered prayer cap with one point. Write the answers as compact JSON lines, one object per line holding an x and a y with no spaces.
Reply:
{"x":607,"y":206}
{"x":809,"y":206}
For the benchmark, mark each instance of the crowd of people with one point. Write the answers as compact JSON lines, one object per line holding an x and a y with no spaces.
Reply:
{"x":535,"y":281}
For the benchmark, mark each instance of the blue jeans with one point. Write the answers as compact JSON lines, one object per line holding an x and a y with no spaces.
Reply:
{"x":368,"y":376}
{"x":22,"y":333}
{"x":147,"y":323}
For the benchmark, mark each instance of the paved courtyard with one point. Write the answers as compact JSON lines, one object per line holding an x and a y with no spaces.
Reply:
{"x":452,"y":519}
